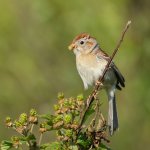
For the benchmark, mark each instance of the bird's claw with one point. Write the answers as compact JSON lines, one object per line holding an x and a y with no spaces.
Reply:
{"x":109,"y":68}
{"x":99,"y":83}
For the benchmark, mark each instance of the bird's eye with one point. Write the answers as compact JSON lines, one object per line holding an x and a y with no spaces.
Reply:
{"x":82,"y":42}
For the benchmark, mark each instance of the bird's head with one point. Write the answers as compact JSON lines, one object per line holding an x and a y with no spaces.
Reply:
{"x":83,"y":44}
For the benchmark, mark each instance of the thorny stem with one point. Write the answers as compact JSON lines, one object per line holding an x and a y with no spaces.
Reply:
{"x":92,"y":96}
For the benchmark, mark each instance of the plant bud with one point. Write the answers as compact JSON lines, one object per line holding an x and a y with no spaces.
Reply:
{"x":42,"y":128}
{"x":33,"y":119}
{"x":23,"y":118}
{"x":80,"y":97}
{"x":8,"y":122}
{"x":58,"y":124}
{"x":15,"y":141}
{"x":67,"y":118}
{"x":68,"y":133}
{"x":60,"y":96}
{"x":56,"y":107}
{"x":33,"y":112}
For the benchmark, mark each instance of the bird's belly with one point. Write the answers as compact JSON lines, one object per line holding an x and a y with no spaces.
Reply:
{"x":89,"y":74}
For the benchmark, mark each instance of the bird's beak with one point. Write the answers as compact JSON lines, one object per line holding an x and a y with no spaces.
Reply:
{"x":71,"y":46}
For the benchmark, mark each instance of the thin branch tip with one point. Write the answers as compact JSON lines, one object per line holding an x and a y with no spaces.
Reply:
{"x":129,"y":22}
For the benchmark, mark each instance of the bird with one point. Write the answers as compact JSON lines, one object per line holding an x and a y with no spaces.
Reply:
{"x":91,"y":61}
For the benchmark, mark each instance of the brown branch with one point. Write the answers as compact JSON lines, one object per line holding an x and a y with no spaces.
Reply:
{"x":92,"y":96}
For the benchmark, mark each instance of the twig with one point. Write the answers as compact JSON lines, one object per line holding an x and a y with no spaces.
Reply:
{"x":93,"y":122}
{"x":40,"y":140}
{"x":29,"y":144}
{"x":102,"y":117}
{"x":31,"y":129}
{"x":97,"y":110}
{"x":92,"y":96}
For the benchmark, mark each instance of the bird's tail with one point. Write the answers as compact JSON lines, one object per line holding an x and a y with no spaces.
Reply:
{"x":112,"y":112}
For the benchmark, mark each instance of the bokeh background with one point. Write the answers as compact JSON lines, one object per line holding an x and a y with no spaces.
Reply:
{"x":35,"y":63}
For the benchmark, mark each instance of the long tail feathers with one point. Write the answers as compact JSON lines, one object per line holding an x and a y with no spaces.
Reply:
{"x":112,"y":113}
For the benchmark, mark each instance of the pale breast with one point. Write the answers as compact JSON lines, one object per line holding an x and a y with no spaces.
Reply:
{"x":90,"y":68}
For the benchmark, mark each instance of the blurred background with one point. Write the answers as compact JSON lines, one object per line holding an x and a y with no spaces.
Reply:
{"x":35,"y":63}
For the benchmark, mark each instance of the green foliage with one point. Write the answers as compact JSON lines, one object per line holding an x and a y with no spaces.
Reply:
{"x":5,"y":145}
{"x":90,"y":111}
{"x":83,"y":141}
{"x":65,"y":121}
{"x":55,"y":146}
{"x":103,"y":147}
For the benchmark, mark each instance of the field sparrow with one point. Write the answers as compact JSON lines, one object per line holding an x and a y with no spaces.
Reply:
{"x":91,"y":62}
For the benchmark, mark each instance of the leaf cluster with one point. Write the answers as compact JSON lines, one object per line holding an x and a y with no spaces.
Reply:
{"x":70,"y":135}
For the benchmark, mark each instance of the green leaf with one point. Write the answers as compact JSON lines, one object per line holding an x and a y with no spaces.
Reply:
{"x":44,"y":146}
{"x":90,"y":111}
{"x":5,"y":145}
{"x":46,"y":116}
{"x":30,"y":137}
{"x":54,"y":146}
{"x":83,"y":141}
{"x":103,"y":147}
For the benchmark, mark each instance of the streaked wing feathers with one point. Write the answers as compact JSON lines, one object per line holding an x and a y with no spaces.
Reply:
{"x":120,"y":79}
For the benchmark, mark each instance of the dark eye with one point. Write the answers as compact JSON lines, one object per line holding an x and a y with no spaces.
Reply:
{"x":82,"y":42}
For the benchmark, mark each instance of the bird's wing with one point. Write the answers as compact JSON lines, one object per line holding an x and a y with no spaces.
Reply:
{"x":120,"y":79}
{"x":102,"y":55}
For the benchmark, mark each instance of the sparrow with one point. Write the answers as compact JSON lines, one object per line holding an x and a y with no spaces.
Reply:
{"x":91,"y":61}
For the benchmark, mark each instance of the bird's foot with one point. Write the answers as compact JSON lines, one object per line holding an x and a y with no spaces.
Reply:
{"x":99,"y":83}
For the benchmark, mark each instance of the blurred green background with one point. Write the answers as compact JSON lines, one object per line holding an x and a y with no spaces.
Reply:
{"x":35,"y":63}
